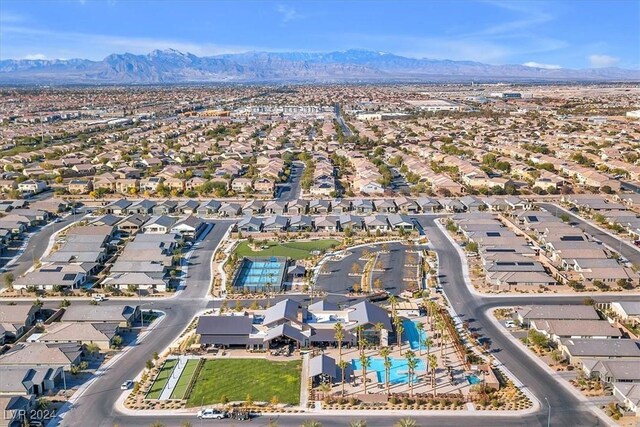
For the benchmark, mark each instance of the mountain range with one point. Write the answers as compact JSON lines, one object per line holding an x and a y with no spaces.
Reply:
{"x":170,"y":66}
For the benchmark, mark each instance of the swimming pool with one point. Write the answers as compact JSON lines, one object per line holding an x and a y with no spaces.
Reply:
{"x":473,"y":379}
{"x":398,"y":374}
{"x":412,"y":335}
{"x":255,"y":274}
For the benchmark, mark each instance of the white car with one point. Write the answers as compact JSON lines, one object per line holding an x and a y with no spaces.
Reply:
{"x":126,"y":385}
{"x":510,"y":324}
{"x":211,"y":414}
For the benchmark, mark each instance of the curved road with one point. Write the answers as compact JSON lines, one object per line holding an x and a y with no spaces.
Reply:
{"x":96,"y":406}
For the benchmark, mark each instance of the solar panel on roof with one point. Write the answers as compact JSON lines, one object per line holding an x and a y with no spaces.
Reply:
{"x":69,"y":276}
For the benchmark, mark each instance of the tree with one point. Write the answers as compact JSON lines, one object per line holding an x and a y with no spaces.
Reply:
{"x":157,"y":424}
{"x":420,"y":328}
{"x":433,"y":365}
{"x":275,"y":400}
{"x":365,"y":362}
{"x":399,"y":329}
{"x":385,"y":352}
{"x":358,"y":423}
{"x":92,"y":348}
{"x":412,"y":364}
{"x":538,"y":339}
{"x":342,"y":364}
{"x":116,"y":341}
{"x":355,"y":268}
{"x":311,"y":423}
{"x":149,"y":364}
{"x":248,"y":400}
{"x":8,"y":279}
{"x":339,"y":337}
{"x":65,"y":303}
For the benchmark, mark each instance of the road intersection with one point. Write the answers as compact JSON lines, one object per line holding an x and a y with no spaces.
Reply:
{"x":97,"y":404}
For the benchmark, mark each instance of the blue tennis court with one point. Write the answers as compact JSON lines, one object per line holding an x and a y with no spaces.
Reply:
{"x":256,"y":274}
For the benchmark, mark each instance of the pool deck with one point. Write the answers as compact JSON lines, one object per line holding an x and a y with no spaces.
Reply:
{"x":446,"y":357}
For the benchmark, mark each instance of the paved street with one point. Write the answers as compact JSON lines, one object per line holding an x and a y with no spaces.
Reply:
{"x":97,"y":402}
{"x":96,"y":406}
{"x":36,"y":246}
{"x":291,"y":189}
{"x":628,"y":251}
{"x":568,"y":410}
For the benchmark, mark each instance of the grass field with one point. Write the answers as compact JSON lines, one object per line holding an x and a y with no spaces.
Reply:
{"x":184,"y":380}
{"x":235,"y":378}
{"x":293,"y":250}
{"x":161,"y":379}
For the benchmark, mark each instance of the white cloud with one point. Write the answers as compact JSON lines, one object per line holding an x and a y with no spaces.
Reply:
{"x":600,"y":61}
{"x":96,"y":46}
{"x":35,"y":56}
{"x":540,"y":65}
{"x":288,"y":13}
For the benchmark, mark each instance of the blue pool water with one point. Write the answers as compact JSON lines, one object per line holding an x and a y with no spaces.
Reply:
{"x":473,"y":379}
{"x":412,"y":335}
{"x":397,"y":374}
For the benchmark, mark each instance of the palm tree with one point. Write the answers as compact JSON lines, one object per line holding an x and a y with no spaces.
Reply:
{"x":432,"y":310}
{"x":339,"y":336}
{"x":342,"y":364}
{"x":444,"y":337}
{"x":412,"y":364}
{"x":385,"y":352}
{"x":406,"y":422}
{"x":420,"y":328}
{"x":427,"y":342}
{"x":365,"y":362}
{"x":433,"y":365}
{"x":325,"y":388}
{"x":311,"y":423}
{"x":399,"y":328}
{"x":362,"y":341}
{"x":358,"y":423}
{"x":393,"y":301}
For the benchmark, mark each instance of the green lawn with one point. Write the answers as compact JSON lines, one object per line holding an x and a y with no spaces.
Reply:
{"x":293,"y":250}
{"x":184,"y":380}
{"x":161,"y":379}
{"x":235,"y":378}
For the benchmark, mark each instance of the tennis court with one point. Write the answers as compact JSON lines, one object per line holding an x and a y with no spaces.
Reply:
{"x":258,"y":274}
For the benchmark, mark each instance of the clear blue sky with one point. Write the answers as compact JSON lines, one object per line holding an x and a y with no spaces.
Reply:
{"x":552,"y":33}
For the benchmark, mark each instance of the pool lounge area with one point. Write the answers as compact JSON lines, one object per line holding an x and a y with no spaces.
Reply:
{"x":398,"y":374}
{"x":259,"y":274}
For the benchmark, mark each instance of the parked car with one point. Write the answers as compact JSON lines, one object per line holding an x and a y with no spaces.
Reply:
{"x":126,"y":385}
{"x":510,"y":324}
{"x":99,"y":297}
{"x":211,"y":414}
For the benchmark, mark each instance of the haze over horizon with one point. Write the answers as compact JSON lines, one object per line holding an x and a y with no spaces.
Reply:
{"x":541,"y":34}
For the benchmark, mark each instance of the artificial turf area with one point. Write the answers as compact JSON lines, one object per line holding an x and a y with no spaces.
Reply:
{"x":236,"y":378}
{"x":293,"y":250}
{"x":161,"y":379}
{"x":180,"y":389}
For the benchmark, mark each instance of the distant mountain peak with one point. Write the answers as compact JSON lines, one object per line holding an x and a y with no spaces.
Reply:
{"x":352,"y":65}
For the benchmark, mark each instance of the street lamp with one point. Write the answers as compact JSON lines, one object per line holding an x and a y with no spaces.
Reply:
{"x":548,"y":416}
